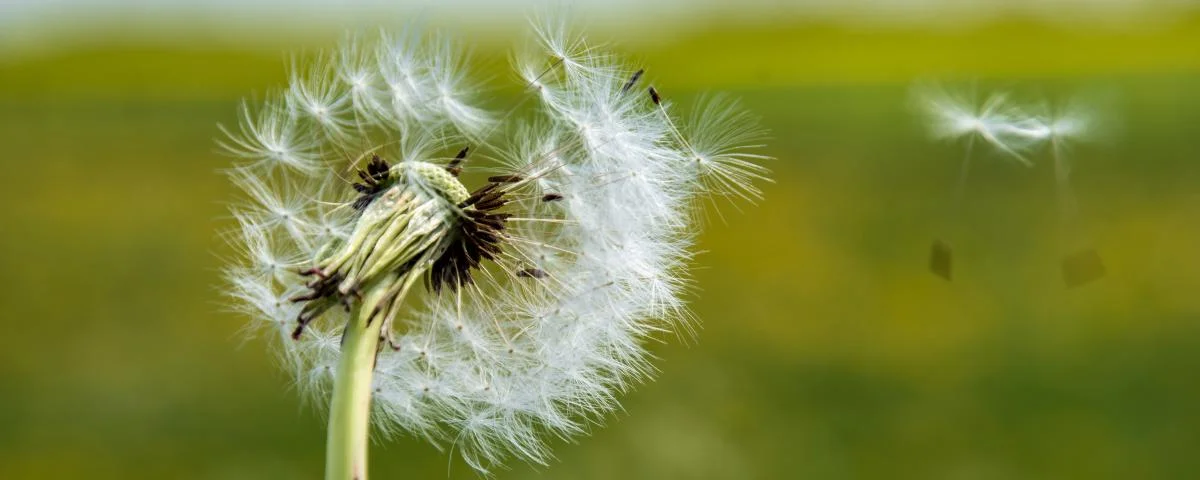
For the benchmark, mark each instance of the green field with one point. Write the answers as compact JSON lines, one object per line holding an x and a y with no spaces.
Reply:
{"x":828,"y":350}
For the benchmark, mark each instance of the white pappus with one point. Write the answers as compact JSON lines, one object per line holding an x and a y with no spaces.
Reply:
{"x":542,"y":283}
{"x":1011,"y":128}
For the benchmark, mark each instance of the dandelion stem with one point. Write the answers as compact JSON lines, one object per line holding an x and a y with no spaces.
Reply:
{"x":960,"y":188}
{"x":350,"y":408}
{"x":1068,"y":210}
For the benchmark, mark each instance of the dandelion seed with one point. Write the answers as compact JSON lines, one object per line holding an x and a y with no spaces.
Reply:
{"x":316,"y":95}
{"x":633,"y":79}
{"x":1061,"y":126}
{"x":538,"y":288}
{"x":270,"y":138}
{"x":994,"y":121}
{"x":1082,"y":267}
{"x":723,"y":138}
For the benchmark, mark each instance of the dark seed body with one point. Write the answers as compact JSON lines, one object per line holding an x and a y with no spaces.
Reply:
{"x":632,"y":80}
{"x":492,"y":205}
{"x":477,"y":195}
{"x":505,"y":178}
{"x":454,"y":167}
{"x":532,"y":273}
{"x":375,"y":180}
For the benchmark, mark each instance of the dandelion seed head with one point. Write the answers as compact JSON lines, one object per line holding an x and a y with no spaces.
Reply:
{"x":541,"y":285}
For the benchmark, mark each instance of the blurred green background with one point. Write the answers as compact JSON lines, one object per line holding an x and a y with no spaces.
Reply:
{"x":828,"y":350}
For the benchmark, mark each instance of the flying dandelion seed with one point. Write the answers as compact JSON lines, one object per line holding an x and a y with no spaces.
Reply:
{"x":536,"y":288}
{"x":1061,"y":126}
{"x":993,"y":121}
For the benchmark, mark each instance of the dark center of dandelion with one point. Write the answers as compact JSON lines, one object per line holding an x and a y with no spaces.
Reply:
{"x":375,"y":180}
{"x":414,"y":218}
{"x":476,"y":236}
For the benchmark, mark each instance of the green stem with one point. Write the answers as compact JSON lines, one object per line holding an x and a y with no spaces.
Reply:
{"x":350,"y":408}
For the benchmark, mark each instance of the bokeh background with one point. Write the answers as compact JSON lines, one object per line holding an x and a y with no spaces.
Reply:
{"x":828,"y":351}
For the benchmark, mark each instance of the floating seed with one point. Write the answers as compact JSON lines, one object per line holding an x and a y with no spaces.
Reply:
{"x":1082,"y":267}
{"x":940,"y":259}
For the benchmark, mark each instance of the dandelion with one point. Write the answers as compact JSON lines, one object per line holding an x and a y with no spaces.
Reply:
{"x":484,"y":318}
